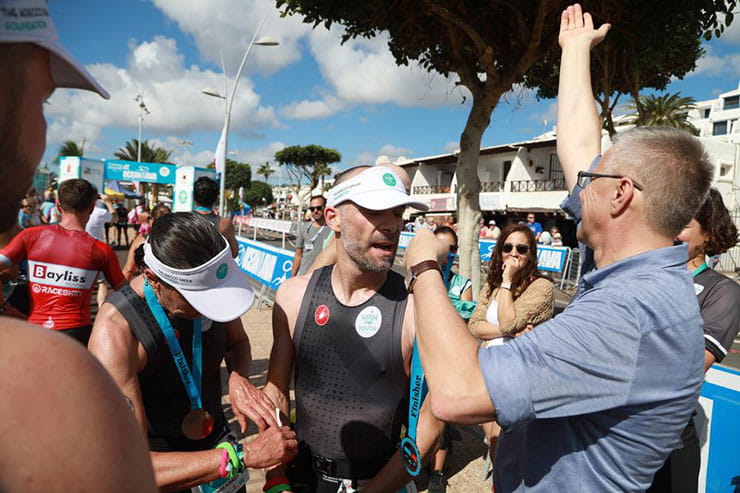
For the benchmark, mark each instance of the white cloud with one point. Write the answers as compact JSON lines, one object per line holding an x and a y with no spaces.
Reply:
{"x":548,"y":116}
{"x":227,"y":26}
{"x":732,"y":33}
{"x":452,"y":146}
{"x":718,"y":66}
{"x":172,"y":94}
{"x":312,"y":110}
{"x":391,"y":151}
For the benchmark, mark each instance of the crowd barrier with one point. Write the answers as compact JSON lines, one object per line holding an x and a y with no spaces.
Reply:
{"x":718,"y":427}
{"x":257,"y":223}
{"x":266,"y":264}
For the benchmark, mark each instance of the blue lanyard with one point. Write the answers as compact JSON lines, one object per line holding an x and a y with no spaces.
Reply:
{"x":417,"y":392}
{"x":191,"y":381}
{"x":200,"y":208}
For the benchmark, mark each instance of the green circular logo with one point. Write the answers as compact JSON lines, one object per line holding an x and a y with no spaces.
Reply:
{"x":389,"y":180}
{"x":182,"y":196}
{"x":222,"y":270}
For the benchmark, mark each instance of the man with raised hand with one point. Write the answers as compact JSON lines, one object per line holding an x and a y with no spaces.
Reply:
{"x":596,"y":398}
{"x":65,"y":426}
{"x":346,"y":333}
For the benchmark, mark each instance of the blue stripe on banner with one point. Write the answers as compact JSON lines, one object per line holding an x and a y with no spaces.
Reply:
{"x":265,"y":263}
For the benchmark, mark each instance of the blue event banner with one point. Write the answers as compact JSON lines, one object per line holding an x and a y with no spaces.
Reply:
{"x":265,"y":263}
{"x":551,"y":259}
{"x":133,"y":171}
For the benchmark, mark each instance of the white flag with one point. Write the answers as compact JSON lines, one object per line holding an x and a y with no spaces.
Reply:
{"x":220,"y":158}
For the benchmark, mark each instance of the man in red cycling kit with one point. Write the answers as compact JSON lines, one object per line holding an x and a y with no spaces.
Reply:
{"x":64,"y":262}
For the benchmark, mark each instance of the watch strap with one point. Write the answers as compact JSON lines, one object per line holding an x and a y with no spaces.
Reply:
{"x":506,"y":285}
{"x":418,"y":269}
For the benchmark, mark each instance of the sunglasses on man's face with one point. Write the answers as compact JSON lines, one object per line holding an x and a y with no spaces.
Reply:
{"x":317,"y":208}
{"x":522,"y":249}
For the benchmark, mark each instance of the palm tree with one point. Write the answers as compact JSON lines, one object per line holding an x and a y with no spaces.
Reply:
{"x":265,"y":170}
{"x":668,"y":110}
{"x":149,"y":153}
{"x":71,"y":148}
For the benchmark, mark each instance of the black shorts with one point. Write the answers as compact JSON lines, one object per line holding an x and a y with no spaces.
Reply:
{"x":80,"y":334}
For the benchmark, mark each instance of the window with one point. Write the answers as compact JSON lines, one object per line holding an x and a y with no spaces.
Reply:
{"x":507,"y":168}
{"x":556,"y":171}
{"x":732,"y":102}
{"x":719,"y":128}
{"x":706,"y":112}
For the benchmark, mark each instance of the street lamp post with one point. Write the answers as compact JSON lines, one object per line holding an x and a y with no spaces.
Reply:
{"x":223,"y":142}
{"x":142,"y":109}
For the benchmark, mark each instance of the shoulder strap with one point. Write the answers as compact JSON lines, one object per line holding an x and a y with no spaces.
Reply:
{"x":305,"y":305}
{"x":140,"y":319}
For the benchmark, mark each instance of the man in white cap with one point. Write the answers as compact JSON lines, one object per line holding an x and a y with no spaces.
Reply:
{"x":347,"y":333}
{"x":163,"y":339}
{"x":65,"y":426}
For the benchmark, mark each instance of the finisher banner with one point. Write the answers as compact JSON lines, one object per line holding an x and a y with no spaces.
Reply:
{"x":265,"y":263}
{"x":551,"y":259}
{"x":133,"y":171}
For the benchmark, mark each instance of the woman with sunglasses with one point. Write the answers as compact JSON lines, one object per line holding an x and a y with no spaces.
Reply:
{"x":514,"y":298}
{"x":711,"y":232}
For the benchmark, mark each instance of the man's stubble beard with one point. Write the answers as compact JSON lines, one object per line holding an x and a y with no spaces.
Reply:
{"x":357,"y":252}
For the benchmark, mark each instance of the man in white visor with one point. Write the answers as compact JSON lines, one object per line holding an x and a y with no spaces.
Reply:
{"x":346,"y":333}
{"x":163,"y":339}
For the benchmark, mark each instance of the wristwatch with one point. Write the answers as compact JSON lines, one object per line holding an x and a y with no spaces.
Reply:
{"x":506,"y":285}
{"x":418,"y":269}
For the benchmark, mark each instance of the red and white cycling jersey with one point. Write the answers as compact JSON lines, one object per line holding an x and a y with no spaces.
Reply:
{"x":62,"y":268}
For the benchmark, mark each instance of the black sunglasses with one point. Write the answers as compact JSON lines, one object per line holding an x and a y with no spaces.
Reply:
{"x":317,"y":208}
{"x":583,"y":176}
{"x":522,"y":249}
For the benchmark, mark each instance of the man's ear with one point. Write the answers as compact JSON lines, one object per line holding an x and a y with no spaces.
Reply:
{"x":332,"y":215}
{"x":622,"y":196}
{"x":152,"y":279}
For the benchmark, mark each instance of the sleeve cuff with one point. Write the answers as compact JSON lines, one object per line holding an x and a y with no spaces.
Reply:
{"x":507,"y":384}
{"x":713,"y":346}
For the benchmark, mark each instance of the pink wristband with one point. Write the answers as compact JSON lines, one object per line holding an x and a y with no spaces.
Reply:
{"x":224,"y":462}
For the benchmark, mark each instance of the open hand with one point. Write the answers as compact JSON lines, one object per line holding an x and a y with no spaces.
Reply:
{"x":577,"y":27}
{"x":248,"y":402}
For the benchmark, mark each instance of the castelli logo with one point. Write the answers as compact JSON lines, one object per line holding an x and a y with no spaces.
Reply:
{"x":321,"y":315}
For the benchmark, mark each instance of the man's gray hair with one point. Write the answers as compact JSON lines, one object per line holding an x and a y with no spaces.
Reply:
{"x":673,"y":169}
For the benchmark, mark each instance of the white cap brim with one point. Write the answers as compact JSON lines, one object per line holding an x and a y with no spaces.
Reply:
{"x":67,"y":72}
{"x":226,"y":302}
{"x":388,"y":199}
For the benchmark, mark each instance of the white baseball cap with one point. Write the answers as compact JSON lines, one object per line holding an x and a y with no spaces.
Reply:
{"x":28,"y":21}
{"x":217,"y":289}
{"x":377,"y":189}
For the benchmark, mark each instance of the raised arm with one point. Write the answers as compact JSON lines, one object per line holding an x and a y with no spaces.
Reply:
{"x":579,"y":126}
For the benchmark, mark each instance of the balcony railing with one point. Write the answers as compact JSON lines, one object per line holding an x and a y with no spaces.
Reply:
{"x":537,"y":185}
{"x":492,"y":186}
{"x":430,"y":189}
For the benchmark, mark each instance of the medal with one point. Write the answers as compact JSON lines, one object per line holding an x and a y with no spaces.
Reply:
{"x":197,"y":424}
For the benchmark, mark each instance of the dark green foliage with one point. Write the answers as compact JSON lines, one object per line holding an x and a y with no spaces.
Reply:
{"x":237,"y":175}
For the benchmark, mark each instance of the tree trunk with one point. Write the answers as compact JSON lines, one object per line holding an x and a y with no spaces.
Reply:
{"x":468,"y":189}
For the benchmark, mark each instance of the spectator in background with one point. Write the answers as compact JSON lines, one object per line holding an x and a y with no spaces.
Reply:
{"x":312,"y":236}
{"x":205,"y":193}
{"x":130,"y":267}
{"x":545,"y":238}
{"x":710,"y":232}
{"x":49,"y":210}
{"x":483,"y":228}
{"x":101,"y":215}
{"x":514,"y":297}
{"x":24,"y":214}
{"x":121,"y":222}
{"x":557,"y":238}
{"x":534,"y":226}
{"x":493,"y":231}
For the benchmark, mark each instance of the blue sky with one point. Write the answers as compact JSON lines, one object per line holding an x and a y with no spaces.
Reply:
{"x":307,"y":90}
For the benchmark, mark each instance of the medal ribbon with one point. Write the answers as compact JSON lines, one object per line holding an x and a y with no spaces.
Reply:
{"x":700,"y":269}
{"x":191,"y":380}
{"x":417,"y":391}
{"x":200,"y":208}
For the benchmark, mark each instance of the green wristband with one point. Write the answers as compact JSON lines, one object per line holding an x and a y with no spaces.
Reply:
{"x":278,"y":488}
{"x":235,"y":462}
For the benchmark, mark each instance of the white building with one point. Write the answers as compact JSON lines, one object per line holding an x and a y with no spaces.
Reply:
{"x":718,"y":119}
